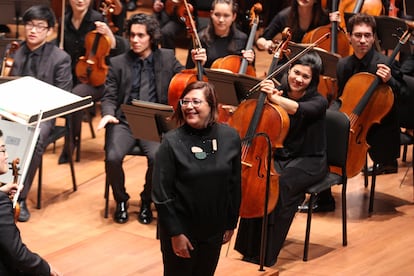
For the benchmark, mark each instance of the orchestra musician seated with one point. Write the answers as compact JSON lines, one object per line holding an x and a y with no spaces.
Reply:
{"x":300,"y":163}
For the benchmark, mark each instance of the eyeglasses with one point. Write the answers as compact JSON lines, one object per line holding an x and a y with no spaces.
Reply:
{"x":38,"y":28}
{"x":360,"y":35}
{"x":193,"y":102}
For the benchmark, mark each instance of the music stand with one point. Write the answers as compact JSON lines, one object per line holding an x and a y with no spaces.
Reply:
{"x":389,"y":30}
{"x":329,"y":60}
{"x":231,"y":88}
{"x":148,"y":120}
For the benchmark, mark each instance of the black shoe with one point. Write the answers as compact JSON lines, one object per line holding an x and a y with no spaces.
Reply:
{"x":121,"y":212}
{"x":63,"y":158}
{"x":24,"y":214}
{"x":319,"y":206}
{"x":131,"y":5}
{"x":383,"y":169}
{"x":145,"y":214}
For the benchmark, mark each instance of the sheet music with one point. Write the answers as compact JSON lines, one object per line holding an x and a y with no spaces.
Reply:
{"x":24,"y":97}
{"x":19,"y":143}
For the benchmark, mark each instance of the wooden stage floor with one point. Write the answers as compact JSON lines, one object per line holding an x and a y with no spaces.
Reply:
{"x":71,"y":233}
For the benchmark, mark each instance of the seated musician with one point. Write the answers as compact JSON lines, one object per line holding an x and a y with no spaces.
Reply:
{"x":171,"y":23}
{"x":80,"y":19}
{"x":16,"y":258}
{"x":301,"y":16}
{"x":221,"y":37}
{"x":361,"y":29}
{"x":301,"y":162}
{"x":43,"y":60}
{"x":143,"y":73}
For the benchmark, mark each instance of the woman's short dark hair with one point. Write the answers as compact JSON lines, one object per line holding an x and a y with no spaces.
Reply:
{"x":361,"y":18}
{"x":151,"y":24}
{"x":40,"y":12}
{"x":209,"y":93}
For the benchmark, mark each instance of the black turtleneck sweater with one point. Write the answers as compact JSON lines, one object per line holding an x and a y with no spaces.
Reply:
{"x":197,"y":181}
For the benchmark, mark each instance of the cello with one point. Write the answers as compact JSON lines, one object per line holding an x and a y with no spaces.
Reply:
{"x":365,"y":109}
{"x":251,"y":118}
{"x":235,"y":63}
{"x":186,"y":76}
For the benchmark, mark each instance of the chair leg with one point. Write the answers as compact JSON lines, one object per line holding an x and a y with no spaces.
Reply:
{"x":404,"y":155}
{"x":91,"y":127}
{"x":39,"y":185}
{"x":69,"y":136}
{"x":78,"y":148}
{"x":372,"y":193}
{"x":106,"y":196}
{"x":366,"y":173}
{"x":308,"y":226}
{"x":344,"y":216}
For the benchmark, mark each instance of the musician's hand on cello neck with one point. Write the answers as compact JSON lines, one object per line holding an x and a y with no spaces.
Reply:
{"x":384,"y":72}
{"x":200,"y":55}
{"x":248,"y":55}
{"x":335,"y":17}
{"x":275,"y":96}
{"x":103,"y":28}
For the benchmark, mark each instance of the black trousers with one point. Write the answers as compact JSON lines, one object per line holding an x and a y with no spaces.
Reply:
{"x":292,"y":185}
{"x":203,"y":261}
{"x":118,"y":142}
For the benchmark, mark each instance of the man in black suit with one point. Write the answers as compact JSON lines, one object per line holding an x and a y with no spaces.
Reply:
{"x":16,"y":258}
{"x":144,"y":73}
{"x":43,"y":60}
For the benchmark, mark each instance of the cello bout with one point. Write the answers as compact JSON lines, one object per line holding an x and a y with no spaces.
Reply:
{"x":362,"y":117}
{"x":254,"y":157}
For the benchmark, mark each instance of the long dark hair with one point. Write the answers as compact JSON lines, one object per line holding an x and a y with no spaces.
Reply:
{"x":209,"y":93}
{"x":208,"y":34}
{"x":293,"y":21}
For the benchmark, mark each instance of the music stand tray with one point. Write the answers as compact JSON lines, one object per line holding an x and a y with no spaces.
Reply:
{"x":148,"y":120}
{"x":231,"y":88}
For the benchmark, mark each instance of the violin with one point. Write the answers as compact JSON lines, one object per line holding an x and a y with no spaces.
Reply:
{"x":91,"y":68}
{"x":107,"y":8}
{"x":15,"y":170}
{"x":8,"y":60}
{"x":237,"y":64}
{"x":186,"y":76}
{"x":176,"y":8}
{"x":366,"y":108}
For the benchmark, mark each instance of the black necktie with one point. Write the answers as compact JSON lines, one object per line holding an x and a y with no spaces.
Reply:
{"x":29,"y":65}
{"x":144,"y":89}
